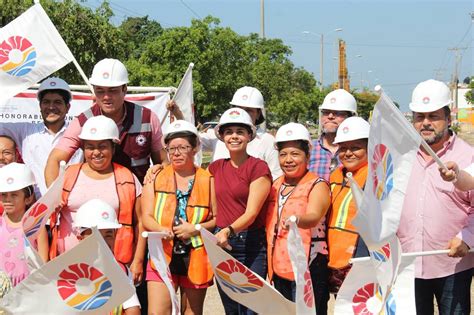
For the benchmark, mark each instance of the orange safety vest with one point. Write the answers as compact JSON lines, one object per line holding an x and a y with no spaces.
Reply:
{"x":342,"y":235}
{"x":197,"y":211}
{"x":296,"y":204}
{"x":125,"y":186}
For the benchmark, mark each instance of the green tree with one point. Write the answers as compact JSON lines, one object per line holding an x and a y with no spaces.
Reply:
{"x":365,"y":102}
{"x":470,"y":94}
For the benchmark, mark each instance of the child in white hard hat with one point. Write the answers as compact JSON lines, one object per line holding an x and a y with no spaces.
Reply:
{"x":98,"y":213}
{"x":16,"y":187}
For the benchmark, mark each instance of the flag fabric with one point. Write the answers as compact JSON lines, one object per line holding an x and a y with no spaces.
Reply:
{"x":157,"y":256}
{"x":361,"y":294}
{"x":31,"y":48}
{"x":184,"y":95}
{"x":386,"y":261}
{"x":392,"y":148}
{"x":304,"y":298}
{"x":241,"y":284}
{"x":36,"y":217}
{"x":86,"y":279}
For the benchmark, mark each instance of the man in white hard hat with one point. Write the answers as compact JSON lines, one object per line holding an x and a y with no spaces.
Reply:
{"x":251,"y":100}
{"x":140,"y":132}
{"x":337,"y":106}
{"x":435,"y":215}
{"x":35,"y":141}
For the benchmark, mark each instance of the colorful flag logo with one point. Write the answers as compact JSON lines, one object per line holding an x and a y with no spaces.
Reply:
{"x":17,"y":56}
{"x":32,"y":222}
{"x":84,"y":287}
{"x":368,"y":300}
{"x":237,"y":277}
{"x":382,"y":176}
{"x":382,"y":254}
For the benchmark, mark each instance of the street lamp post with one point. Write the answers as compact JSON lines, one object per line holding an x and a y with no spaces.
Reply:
{"x":321,"y":65}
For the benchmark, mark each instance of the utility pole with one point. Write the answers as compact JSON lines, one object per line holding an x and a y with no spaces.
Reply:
{"x":262,"y":19}
{"x":458,"y":55}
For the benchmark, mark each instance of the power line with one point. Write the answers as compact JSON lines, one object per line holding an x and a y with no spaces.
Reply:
{"x":191,"y":9}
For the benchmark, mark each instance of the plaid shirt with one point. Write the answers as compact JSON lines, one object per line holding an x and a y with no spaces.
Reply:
{"x":320,"y":160}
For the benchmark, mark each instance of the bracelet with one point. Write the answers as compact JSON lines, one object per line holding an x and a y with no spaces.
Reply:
{"x":231,"y":231}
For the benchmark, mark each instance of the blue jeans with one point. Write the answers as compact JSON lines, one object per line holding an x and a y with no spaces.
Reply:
{"x":249,"y":248}
{"x":320,"y":279}
{"x":453,"y":294}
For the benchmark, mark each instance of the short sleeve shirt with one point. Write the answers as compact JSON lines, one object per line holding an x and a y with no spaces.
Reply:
{"x":233,"y":187}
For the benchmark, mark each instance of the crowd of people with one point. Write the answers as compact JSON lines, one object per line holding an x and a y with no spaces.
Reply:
{"x":246,"y":196}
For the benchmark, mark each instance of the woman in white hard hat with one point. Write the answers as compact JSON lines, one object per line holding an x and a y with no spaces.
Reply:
{"x":98,"y":213}
{"x":262,"y":146}
{"x":344,"y":242}
{"x":181,"y":196}
{"x":16,"y":187}
{"x":302,"y":194}
{"x":242,"y":186}
{"x":100,"y":178}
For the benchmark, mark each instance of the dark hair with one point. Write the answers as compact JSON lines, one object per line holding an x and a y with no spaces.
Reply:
{"x":29,"y":191}
{"x":447,"y":111}
{"x":191,"y":137}
{"x":302,"y":145}
{"x":260,"y":118}
{"x":223,"y":127}
{"x":11,"y":139}
{"x":64,"y":94}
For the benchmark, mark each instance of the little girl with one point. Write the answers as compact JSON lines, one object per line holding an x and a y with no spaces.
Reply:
{"x":16,"y":187}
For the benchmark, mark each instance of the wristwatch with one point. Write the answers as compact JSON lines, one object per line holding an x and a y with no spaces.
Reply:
{"x":231,"y":231}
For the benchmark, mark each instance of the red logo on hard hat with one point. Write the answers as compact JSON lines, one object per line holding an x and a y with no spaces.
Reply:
{"x":105,"y":75}
{"x":10,"y":180}
{"x":289,"y":132}
{"x":426,"y":100}
{"x":52,"y":83}
{"x":332,"y":100}
{"x":245,"y":97}
{"x":105,"y":215}
{"x":234,"y":114}
{"x":345,"y":129}
{"x":93,"y":130}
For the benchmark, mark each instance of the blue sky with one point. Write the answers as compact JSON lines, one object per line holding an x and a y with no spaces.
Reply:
{"x":393,"y":43}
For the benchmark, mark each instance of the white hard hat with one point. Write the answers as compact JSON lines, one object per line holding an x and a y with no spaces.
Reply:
{"x":292,"y":131}
{"x":429,"y":96}
{"x":15,"y":176}
{"x":100,"y":128}
{"x":179,"y":126}
{"x":97,"y":213}
{"x":340,"y":100}
{"x":352,"y":128}
{"x":235,"y":115}
{"x":54,"y":84}
{"x":248,"y":96}
{"x":109,"y":72}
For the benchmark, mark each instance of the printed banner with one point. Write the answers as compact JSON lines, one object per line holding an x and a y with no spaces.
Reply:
{"x":86,"y":279}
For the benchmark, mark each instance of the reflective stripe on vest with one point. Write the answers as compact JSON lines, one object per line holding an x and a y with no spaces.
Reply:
{"x":342,"y":235}
{"x":197,"y":211}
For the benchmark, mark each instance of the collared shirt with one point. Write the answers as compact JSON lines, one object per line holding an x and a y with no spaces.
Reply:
{"x":322,"y":162}
{"x":434,"y":212}
{"x":262,"y":147}
{"x":35,"y":142}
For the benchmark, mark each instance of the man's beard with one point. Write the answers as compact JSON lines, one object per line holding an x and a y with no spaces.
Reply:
{"x":436,"y":138}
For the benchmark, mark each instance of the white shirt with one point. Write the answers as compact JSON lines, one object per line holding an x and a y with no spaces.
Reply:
{"x":262,"y":147}
{"x":35,"y":142}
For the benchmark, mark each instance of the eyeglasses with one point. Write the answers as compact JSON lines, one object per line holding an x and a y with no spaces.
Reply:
{"x":7,"y":153}
{"x":326,"y":112}
{"x":181,"y":149}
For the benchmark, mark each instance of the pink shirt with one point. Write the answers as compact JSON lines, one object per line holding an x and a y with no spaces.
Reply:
{"x":434,"y":212}
{"x":12,"y":250}
{"x":84,"y":190}
{"x":70,"y":142}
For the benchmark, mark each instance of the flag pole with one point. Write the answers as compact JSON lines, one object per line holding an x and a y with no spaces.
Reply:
{"x":83,"y":75}
{"x":413,"y":254}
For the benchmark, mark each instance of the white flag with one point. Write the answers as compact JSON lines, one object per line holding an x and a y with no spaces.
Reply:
{"x":299,"y":261}
{"x":31,"y":49}
{"x":393,"y":144}
{"x":86,"y":279}
{"x":184,"y":96}
{"x":157,"y":256}
{"x":361,"y":294}
{"x":241,"y":284}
